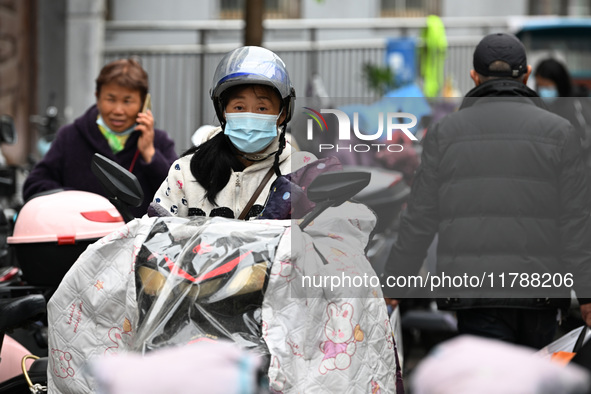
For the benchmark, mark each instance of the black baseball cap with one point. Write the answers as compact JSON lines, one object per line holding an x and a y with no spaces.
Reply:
{"x":500,"y":46}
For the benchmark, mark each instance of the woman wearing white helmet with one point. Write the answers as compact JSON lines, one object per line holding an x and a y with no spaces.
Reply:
{"x":253,"y":99}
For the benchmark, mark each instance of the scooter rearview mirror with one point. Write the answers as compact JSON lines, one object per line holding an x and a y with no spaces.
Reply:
{"x":337,"y":187}
{"x":331,"y":189}
{"x":7,"y":130}
{"x":119,"y":183}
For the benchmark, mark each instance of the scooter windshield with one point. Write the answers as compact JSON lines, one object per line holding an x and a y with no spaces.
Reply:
{"x":203,"y":279}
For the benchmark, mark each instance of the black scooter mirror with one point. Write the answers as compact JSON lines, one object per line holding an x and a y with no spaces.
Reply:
{"x":337,"y":187}
{"x":122,"y":187}
{"x":331,"y":189}
{"x":7,"y":130}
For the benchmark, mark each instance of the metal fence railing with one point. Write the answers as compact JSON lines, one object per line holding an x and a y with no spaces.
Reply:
{"x":180,"y":75}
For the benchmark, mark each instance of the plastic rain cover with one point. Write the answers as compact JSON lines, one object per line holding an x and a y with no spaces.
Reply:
{"x":203,"y":279}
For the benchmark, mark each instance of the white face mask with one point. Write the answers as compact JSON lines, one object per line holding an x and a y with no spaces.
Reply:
{"x":250,"y":132}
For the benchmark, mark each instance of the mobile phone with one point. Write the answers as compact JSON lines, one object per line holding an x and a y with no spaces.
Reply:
{"x":147,"y":103}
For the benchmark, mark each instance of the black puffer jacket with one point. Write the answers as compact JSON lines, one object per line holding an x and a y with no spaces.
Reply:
{"x":502,"y":183}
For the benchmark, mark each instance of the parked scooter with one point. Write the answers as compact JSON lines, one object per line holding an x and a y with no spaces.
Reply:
{"x":52,"y":230}
{"x":17,"y":307}
{"x":17,"y":313}
{"x":35,"y":273}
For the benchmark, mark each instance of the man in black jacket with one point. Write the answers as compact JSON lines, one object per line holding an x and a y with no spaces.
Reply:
{"x":502,"y":183}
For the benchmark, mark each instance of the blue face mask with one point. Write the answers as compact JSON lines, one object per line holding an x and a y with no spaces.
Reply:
{"x":250,"y":132}
{"x":548,"y":92}
{"x":102,"y":123}
{"x":43,"y":146}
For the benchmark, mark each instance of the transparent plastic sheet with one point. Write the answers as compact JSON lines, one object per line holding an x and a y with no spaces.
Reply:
{"x":203,"y":279}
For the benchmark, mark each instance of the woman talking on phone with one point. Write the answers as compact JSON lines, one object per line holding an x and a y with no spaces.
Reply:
{"x":117,"y":127}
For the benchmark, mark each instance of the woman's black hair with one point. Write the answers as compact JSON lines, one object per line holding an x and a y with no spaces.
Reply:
{"x":212,"y":164}
{"x":279,"y":151}
{"x":213,"y":161}
{"x":556,"y":72}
